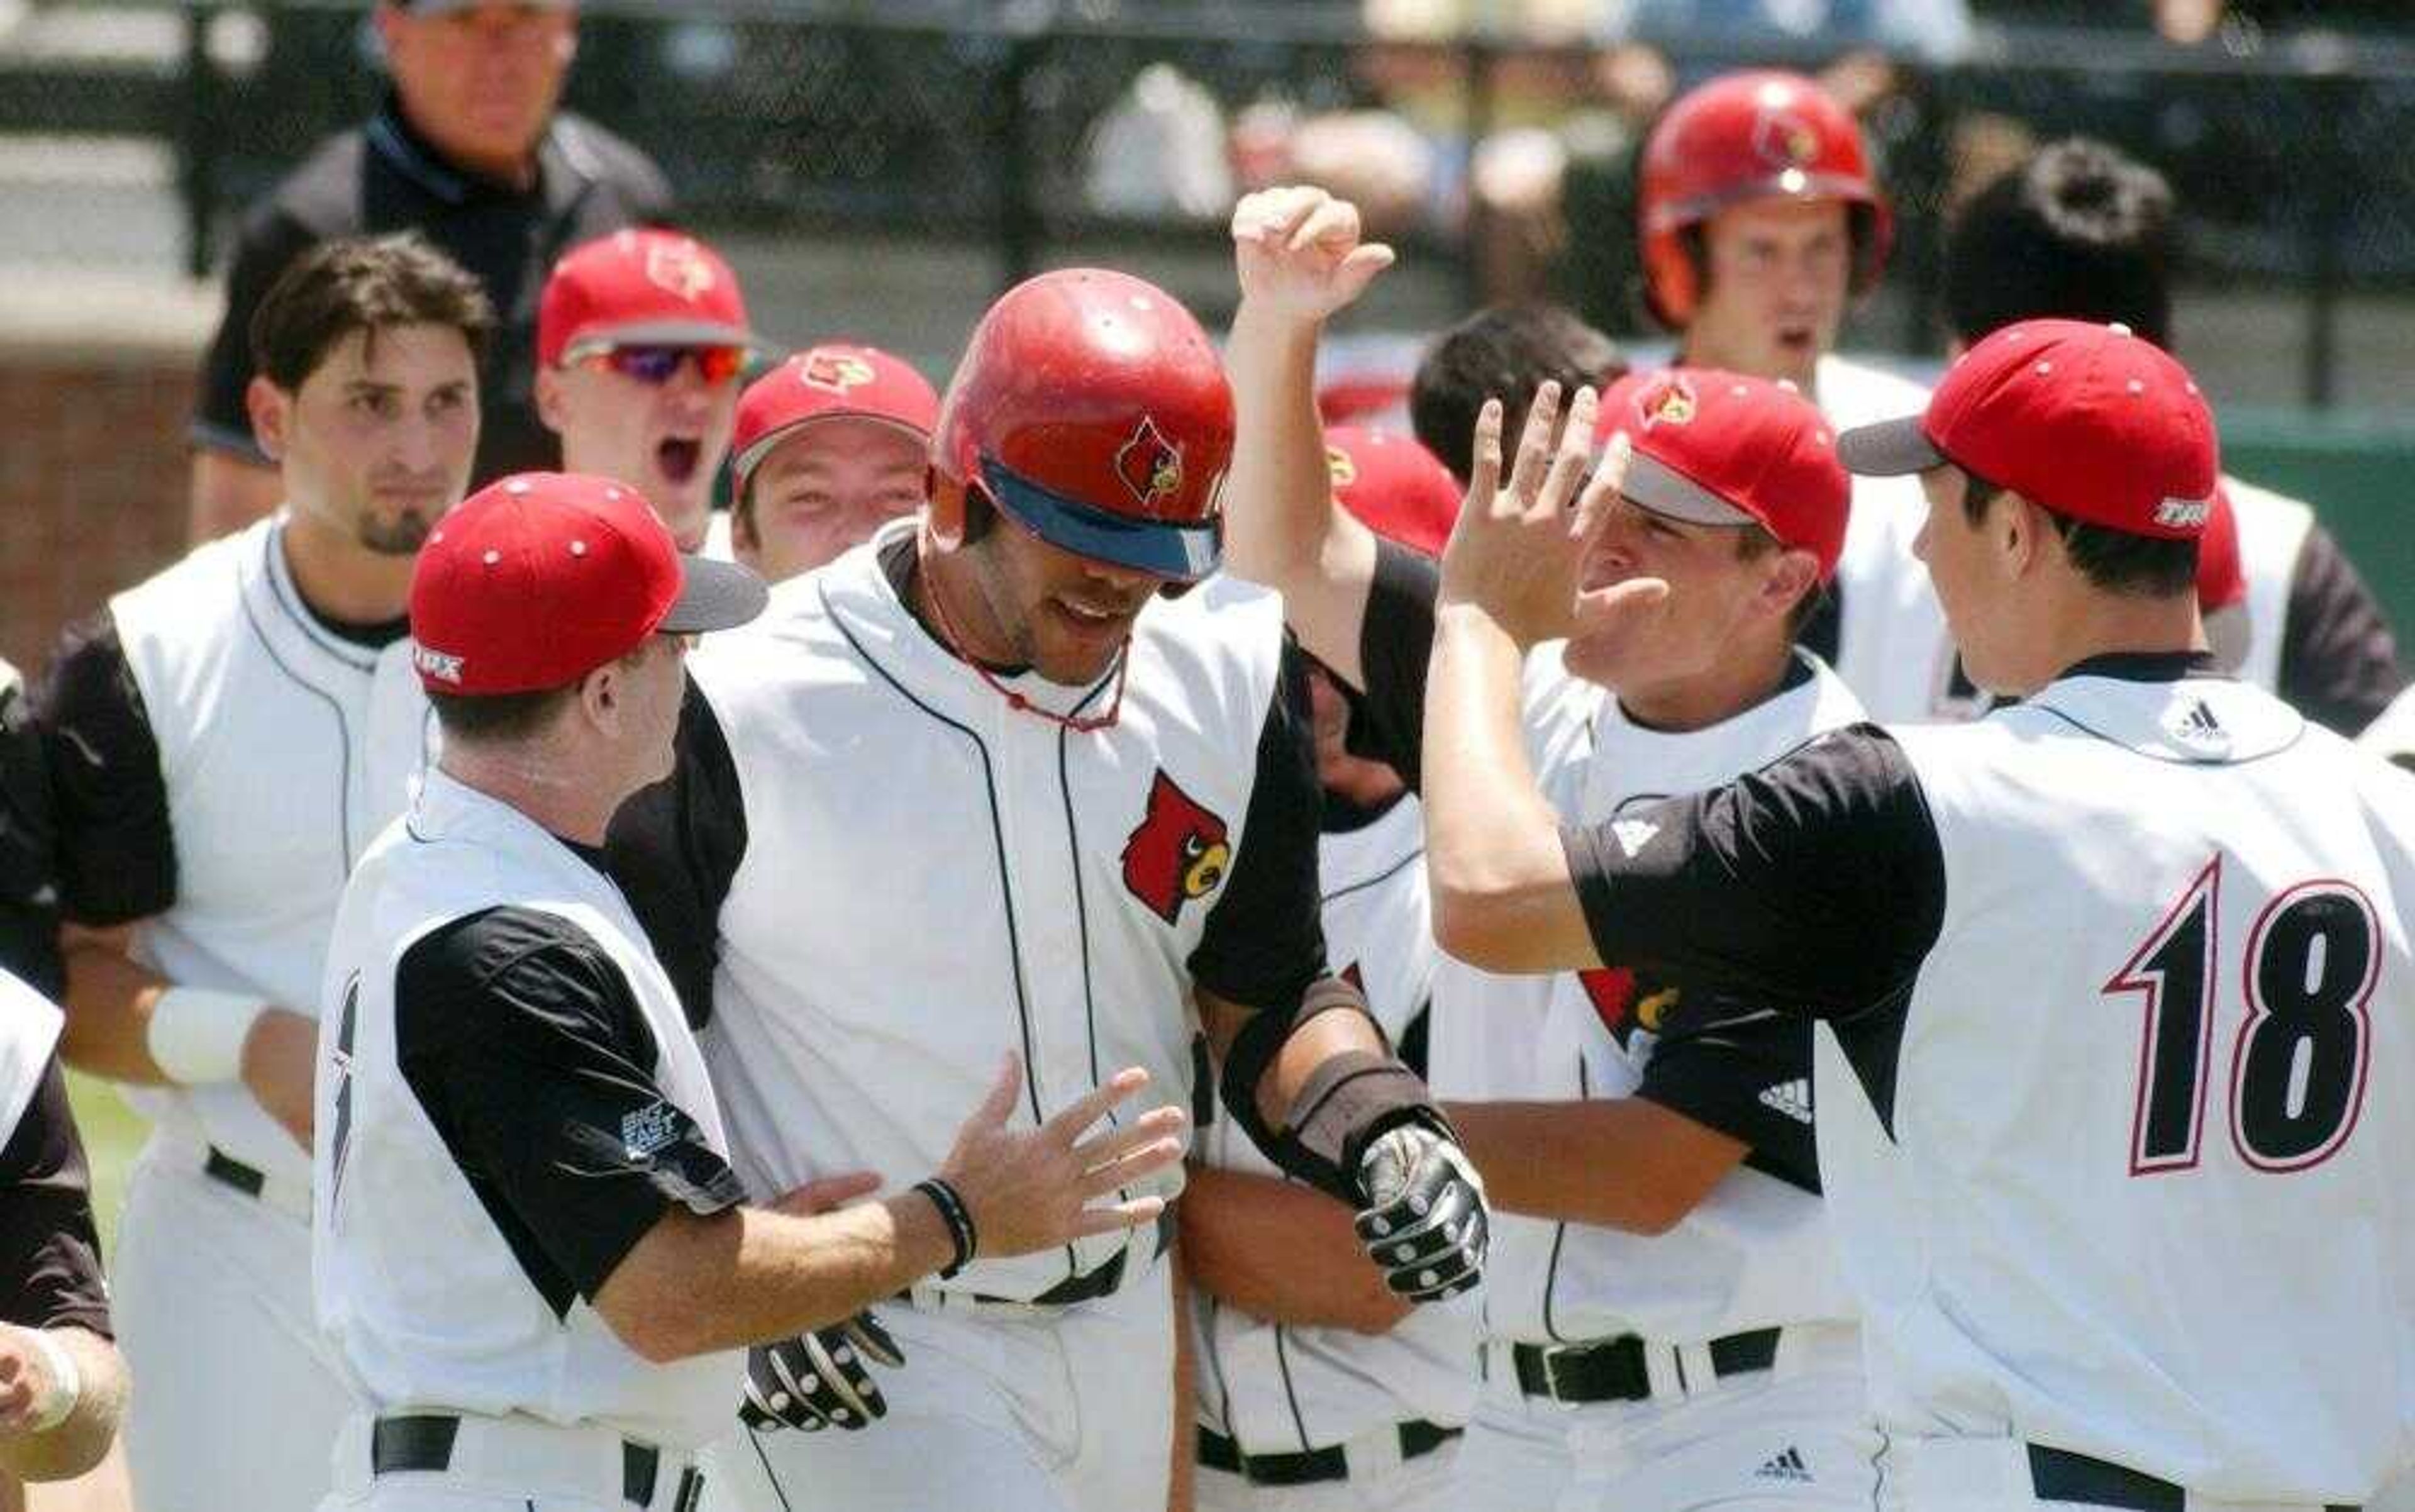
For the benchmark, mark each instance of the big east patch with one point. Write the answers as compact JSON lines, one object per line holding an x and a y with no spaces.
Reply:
{"x":1180,"y":851}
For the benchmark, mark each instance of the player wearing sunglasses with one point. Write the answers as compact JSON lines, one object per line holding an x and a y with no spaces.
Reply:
{"x":642,"y":336}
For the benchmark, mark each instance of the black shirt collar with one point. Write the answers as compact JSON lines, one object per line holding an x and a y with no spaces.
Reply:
{"x":2147,"y":666}
{"x":394,"y":138}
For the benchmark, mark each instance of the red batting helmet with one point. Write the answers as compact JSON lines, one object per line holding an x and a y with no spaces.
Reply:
{"x":1091,"y":410}
{"x":1760,"y":134}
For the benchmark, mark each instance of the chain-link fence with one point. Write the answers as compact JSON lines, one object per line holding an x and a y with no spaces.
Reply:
{"x":995,"y":138}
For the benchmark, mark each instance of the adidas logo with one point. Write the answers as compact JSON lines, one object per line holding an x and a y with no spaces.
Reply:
{"x":2196,"y":725}
{"x":1634,"y":835}
{"x":1792,"y":1099}
{"x":1786,"y":1466}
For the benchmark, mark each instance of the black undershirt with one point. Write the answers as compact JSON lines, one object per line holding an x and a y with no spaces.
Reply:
{"x":529,"y":1052}
{"x":50,"y":1254}
{"x":29,"y":898}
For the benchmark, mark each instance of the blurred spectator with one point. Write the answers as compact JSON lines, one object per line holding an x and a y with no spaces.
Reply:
{"x":468,"y":148}
{"x":832,"y":445}
{"x":1160,"y":150}
{"x":1936,"y":31}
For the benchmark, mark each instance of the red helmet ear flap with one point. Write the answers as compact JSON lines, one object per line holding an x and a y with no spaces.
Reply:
{"x":1672,"y":279}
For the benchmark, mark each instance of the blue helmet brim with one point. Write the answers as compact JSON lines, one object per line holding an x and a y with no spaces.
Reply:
{"x":1179,"y":552}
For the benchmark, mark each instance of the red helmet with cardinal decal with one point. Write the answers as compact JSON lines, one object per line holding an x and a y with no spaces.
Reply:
{"x":1092,"y":411}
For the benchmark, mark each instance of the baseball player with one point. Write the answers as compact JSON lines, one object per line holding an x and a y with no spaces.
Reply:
{"x":29,"y":898}
{"x":2394,"y":734}
{"x":2122,"y":973}
{"x":1003,"y":777}
{"x":2083,"y":232}
{"x":640,"y":339}
{"x":1504,"y":352}
{"x":1663,"y":1321}
{"x":1316,"y":1386}
{"x":62,"y":1383}
{"x":832,"y":445}
{"x":225,"y":740}
{"x":528,"y":1245}
{"x":1760,"y":221}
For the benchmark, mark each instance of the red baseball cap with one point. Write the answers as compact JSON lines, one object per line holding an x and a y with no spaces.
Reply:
{"x":1720,"y":448}
{"x":640,"y":288}
{"x":826,"y":383}
{"x":2086,"y":420}
{"x":537,"y":580}
{"x":1394,"y":486}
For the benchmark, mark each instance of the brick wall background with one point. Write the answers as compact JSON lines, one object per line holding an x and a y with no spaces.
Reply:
{"x":92,"y":475}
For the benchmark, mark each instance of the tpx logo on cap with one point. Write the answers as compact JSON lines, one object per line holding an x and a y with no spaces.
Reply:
{"x":1669,"y":401}
{"x":678,"y":267}
{"x":2184,"y":514}
{"x":1148,"y":465}
{"x":436,"y":664}
{"x":836,"y":371}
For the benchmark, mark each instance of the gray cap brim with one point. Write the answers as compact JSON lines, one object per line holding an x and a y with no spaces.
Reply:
{"x":714,"y":595}
{"x":1889,"y":449}
{"x":1664,"y":490}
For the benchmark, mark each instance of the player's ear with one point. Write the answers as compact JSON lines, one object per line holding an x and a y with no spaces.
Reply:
{"x":271,"y":410}
{"x":548,"y":398}
{"x":1791,"y":575}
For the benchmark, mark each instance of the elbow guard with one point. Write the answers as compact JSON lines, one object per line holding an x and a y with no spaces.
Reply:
{"x":1348,"y":1103}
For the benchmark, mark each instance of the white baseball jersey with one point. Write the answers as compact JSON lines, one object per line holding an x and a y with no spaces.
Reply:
{"x":2128,"y":990}
{"x":1757,"y":1251}
{"x":437,"y":1273}
{"x":2393,"y":736}
{"x":284,"y":751}
{"x":1892,"y":649}
{"x":2273,"y":530}
{"x":931,"y":877}
{"x":1276,"y":1389}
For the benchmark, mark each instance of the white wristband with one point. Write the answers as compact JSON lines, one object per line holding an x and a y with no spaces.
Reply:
{"x":195,"y":1036}
{"x":67,"y":1384}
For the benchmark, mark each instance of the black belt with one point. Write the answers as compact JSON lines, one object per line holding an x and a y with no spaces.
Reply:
{"x":1217,"y":1452}
{"x":224,"y":1168}
{"x":424,"y":1441}
{"x":2061,"y":1475}
{"x":1615,"y":1368}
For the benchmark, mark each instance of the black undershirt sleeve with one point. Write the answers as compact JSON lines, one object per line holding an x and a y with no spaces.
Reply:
{"x":50,"y":1255}
{"x":1744,"y":1070}
{"x":526,"y":1047}
{"x":1395,"y":646}
{"x":1264,"y":943}
{"x":1815,"y":885}
{"x":2339,"y":662}
{"x":674,"y":847}
{"x":29,"y":897}
{"x":116,"y":853}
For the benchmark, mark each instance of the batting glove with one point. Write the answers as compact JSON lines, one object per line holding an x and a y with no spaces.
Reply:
{"x":1425,"y":1224}
{"x":819,"y":1380}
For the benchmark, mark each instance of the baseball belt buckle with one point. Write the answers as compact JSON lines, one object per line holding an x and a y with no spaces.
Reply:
{"x":1551,"y":1358}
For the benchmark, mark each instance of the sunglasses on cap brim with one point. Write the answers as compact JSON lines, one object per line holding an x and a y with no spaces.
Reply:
{"x":656,"y":365}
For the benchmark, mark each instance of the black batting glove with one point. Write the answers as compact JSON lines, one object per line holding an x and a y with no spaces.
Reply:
{"x":1425,"y":1224}
{"x":819,"y":1380}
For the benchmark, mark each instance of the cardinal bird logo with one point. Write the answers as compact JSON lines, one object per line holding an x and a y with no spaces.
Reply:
{"x":1615,"y":999}
{"x":679,"y":267}
{"x":1783,"y":139}
{"x":1180,"y":851}
{"x":1343,"y":471}
{"x":1668,"y":401}
{"x":836,"y":371}
{"x":1149,"y":465}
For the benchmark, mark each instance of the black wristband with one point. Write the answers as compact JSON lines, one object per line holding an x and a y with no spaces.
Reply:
{"x":959,"y":1218}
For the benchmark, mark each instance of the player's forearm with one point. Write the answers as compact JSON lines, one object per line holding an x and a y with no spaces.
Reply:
{"x":1503,"y":898}
{"x":109,"y":1000}
{"x":83,"y":1438}
{"x":1619,"y":1164}
{"x":1282,"y":527}
{"x":749,"y":1275}
{"x":1281,"y":1252}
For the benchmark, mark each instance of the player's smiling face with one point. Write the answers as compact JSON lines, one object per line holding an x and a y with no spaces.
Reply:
{"x":378,"y":441}
{"x":826,"y":489}
{"x":1724,"y":600}
{"x":1063,"y":616}
{"x":665,"y":439}
{"x":1779,"y":270}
